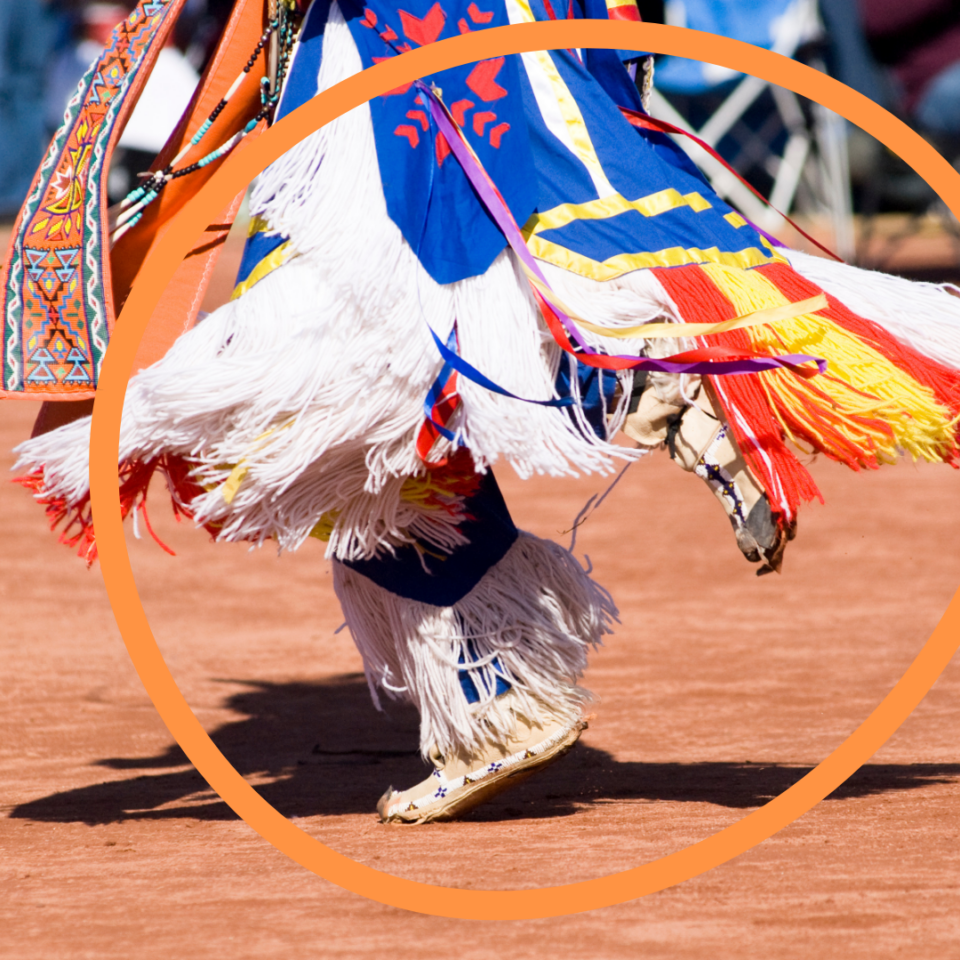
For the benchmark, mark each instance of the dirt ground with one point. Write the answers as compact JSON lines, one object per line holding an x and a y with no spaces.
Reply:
{"x":717,"y":692}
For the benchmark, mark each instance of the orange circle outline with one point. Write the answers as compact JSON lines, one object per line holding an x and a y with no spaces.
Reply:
{"x":240,"y":169}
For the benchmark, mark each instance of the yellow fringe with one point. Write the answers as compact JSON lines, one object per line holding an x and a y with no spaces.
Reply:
{"x":414,"y":490}
{"x":860,"y":381}
{"x":239,"y":471}
{"x":418,"y":489}
{"x":325,"y":524}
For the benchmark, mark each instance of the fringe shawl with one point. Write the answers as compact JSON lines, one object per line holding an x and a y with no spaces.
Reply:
{"x":531,"y":619}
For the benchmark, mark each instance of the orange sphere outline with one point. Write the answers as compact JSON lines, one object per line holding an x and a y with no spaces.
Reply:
{"x":240,"y":169}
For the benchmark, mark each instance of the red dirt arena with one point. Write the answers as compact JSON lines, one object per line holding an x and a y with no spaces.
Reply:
{"x":717,"y":692}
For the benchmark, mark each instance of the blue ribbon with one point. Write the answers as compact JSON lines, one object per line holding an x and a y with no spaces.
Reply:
{"x":472,"y":373}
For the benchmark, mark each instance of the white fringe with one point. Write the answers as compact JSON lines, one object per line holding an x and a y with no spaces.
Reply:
{"x":297,"y":390}
{"x":536,"y":612}
{"x":500,"y":330}
{"x":64,"y":455}
{"x":312,"y":383}
{"x":923,"y":315}
{"x":502,"y":334}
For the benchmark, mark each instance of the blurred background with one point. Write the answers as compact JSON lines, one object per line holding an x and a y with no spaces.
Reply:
{"x":846,"y":188}
{"x":46,"y":46}
{"x":841,"y":185}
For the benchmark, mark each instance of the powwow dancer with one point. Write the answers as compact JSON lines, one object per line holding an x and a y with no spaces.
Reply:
{"x":394,"y":333}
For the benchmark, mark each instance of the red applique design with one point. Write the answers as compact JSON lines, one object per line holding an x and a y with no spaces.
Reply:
{"x":480,"y":120}
{"x":443,"y":149}
{"x":369,"y":18}
{"x":458,"y":110}
{"x":418,"y":115}
{"x":627,"y":11}
{"x":388,"y":35}
{"x":426,"y":30}
{"x":482,"y":80}
{"x":479,"y":16}
{"x":405,"y":130}
{"x":396,"y":91}
{"x":463,"y":25}
{"x":496,"y":133}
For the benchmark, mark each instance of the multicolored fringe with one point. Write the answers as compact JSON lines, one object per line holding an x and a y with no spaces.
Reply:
{"x":135,"y":477}
{"x":879,"y":398}
{"x":441,"y":489}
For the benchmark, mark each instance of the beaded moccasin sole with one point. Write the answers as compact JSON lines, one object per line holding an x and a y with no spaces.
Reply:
{"x":461,"y":782}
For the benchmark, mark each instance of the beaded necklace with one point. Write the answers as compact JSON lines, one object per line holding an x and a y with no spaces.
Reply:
{"x":280,"y":33}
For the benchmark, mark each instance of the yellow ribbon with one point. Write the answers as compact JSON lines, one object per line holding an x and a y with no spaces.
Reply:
{"x":231,"y":486}
{"x":649,"y":331}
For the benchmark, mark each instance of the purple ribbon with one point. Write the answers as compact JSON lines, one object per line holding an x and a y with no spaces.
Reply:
{"x":504,"y":220}
{"x":726,"y":367}
{"x":495,"y":206}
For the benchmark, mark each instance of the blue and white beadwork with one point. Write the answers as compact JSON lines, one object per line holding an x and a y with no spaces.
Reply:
{"x":709,"y":468}
{"x":446,"y":787}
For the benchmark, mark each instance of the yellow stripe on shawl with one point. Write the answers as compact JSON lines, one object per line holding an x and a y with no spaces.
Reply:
{"x":276,"y":258}
{"x":735,"y":220}
{"x":625,"y":262}
{"x":613,"y":205}
{"x":576,"y":127}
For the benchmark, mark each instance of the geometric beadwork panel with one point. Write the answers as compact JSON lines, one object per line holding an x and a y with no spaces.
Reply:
{"x":54,"y":306}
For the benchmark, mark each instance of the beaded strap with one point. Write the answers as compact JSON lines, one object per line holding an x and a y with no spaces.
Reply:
{"x":282,"y":27}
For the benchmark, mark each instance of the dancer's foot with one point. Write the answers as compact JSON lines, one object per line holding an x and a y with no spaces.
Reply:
{"x":701,"y":442}
{"x":463,"y":780}
{"x":705,"y":445}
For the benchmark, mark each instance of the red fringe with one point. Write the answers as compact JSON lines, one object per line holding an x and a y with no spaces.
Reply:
{"x":79,"y":516}
{"x":457,"y":477}
{"x":942,"y":380}
{"x":699,"y":300}
{"x":134,"y":477}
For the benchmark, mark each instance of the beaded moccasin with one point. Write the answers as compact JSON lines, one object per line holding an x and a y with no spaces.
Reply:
{"x":462,"y":780}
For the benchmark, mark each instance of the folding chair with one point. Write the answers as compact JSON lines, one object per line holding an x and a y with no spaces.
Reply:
{"x":793,"y":151}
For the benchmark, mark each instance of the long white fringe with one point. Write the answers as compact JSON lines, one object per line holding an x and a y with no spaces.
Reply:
{"x":500,"y":331}
{"x":923,"y":315}
{"x":536,"y":613}
{"x":309,"y":388}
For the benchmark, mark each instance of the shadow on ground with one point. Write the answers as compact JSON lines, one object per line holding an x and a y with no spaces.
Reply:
{"x":320,"y":749}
